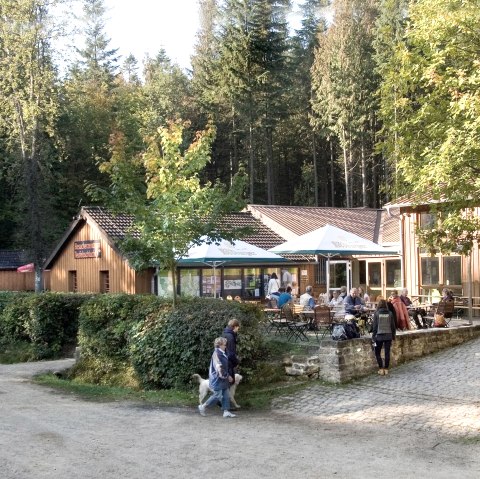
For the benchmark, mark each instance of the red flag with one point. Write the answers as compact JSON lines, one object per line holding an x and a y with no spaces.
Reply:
{"x":26,"y":268}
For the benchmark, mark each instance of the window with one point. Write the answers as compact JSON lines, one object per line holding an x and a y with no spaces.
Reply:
{"x":452,"y":270}
{"x":189,"y":282}
{"x":375,"y":274}
{"x":427,"y":220}
{"x":321,"y":271}
{"x":72,"y":281}
{"x":394,"y":273}
{"x":430,"y":271}
{"x":104,"y":282}
{"x":232,"y":282}
{"x":211,"y":281}
{"x":253,"y":282}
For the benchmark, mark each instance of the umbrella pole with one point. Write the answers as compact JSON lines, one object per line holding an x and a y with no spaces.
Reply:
{"x":214,"y":282}
{"x":328,"y":276}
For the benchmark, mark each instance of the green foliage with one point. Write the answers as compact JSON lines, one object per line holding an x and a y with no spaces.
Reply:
{"x":47,"y":321}
{"x":435,"y":132}
{"x":168,"y":349}
{"x":106,"y":321}
{"x":141,"y":338}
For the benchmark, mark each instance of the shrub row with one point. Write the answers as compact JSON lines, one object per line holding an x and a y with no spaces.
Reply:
{"x":163,"y":346}
{"x":47,"y":322}
{"x":132,"y":336}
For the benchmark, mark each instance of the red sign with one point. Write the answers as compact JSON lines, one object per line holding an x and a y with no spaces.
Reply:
{"x":87,"y":249}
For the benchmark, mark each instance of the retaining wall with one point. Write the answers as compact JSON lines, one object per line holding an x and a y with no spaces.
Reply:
{"x":341,"y":361}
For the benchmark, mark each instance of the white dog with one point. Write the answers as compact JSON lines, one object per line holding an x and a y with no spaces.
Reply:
{"x":204,"y":387}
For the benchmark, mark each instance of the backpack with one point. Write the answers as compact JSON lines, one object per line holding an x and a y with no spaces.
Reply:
{"x":339,"y":333}
{"x":351,"y":329}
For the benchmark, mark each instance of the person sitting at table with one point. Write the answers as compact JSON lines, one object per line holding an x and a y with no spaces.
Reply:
{"x":447,"y":294}
{"x":272,"y":289}
{"x":412,"y":311}
{"x":353,"y":304}
{"x":336,"y":299}
{"x":363,"y":296}
{"x":402,"y":319}
{"x":307,"y":300}
{"x":285,"y":296}
{"x":343,"y":292}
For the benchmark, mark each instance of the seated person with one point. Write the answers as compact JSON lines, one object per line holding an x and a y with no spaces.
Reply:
{"x":413,"y":312}
{"x":343,"y":292}
{"x":336,"y":299}
{"x":353,"y":304}
{"x":363,"y":296}
{"x":307,"y":300}
{"x":285,"y":296}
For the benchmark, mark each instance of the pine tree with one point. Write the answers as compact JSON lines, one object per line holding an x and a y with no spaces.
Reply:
{"x":28,"y":113}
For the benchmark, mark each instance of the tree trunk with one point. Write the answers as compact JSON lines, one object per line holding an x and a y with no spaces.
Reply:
{"x":315,"y":167}
{"x":270,"y":179}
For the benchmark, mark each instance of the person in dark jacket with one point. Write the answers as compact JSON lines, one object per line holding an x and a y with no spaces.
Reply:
{"x":219,"y":379}
{"x":383,"y":333}
{"x":230,"y":333}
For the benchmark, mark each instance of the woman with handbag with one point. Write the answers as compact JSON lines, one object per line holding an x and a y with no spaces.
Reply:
{"x":383,"y":333}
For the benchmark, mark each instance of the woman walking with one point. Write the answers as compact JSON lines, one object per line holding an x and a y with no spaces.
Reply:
{"x":383,"y":333}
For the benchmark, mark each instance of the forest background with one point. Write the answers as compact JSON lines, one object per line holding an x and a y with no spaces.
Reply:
{"x":349,"y":110}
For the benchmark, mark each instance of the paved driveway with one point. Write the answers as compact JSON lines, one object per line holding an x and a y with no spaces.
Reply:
{"x":420,"y":422}
{"x":439,"y":393}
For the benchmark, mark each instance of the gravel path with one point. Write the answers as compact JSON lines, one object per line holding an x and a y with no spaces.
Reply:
{"x":320,"y":433}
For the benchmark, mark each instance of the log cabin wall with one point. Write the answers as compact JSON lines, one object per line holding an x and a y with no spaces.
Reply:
{"x":14,"y":281}
{"x":107,"y":273}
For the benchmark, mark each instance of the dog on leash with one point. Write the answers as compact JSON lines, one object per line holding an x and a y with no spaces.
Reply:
{"x":204,"y":388}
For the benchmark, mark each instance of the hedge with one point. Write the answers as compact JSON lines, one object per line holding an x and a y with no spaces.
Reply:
{"x":46,"y":321}
{"x":164,"y":346}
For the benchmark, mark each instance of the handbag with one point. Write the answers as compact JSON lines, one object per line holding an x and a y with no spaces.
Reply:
{"x":439,"y":321}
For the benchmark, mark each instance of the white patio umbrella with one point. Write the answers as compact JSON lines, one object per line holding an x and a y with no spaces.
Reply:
{"x":237,"y":252}
{"x":331,"y":241}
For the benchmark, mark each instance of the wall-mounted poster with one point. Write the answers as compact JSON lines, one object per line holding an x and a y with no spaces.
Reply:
{"x":232,"y":284}
{"x":87,"y":249}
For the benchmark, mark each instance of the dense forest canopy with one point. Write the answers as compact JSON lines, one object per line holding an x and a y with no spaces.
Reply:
{"x":342,"y":111}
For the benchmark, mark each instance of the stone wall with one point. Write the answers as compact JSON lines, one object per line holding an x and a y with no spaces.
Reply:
{"x":341,"y":361}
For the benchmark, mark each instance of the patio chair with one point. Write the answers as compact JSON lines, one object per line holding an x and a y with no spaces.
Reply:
{"x":322,"y":323}
{"x":296,"y":327}
{"x":445,"y":307}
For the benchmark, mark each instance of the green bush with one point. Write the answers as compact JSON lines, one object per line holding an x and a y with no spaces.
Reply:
{"x":47,"y":321}
{"x":106,"y":322}
{"x":169,"y":347}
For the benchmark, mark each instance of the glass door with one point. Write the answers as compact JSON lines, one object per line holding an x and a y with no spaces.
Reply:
{"x":340,"y":274}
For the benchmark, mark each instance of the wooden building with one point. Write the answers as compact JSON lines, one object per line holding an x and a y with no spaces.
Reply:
{"x":427,"y":275}
{"x":10,"y":278}
{"x":87,"y":258}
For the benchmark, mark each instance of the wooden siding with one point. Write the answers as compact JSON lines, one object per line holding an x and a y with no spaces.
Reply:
{"x":14,"y":281}
{"x":122,"y":278}
{"x":412,"y":259}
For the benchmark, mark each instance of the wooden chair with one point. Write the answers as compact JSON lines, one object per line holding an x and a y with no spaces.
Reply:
{"x":322,"y":323}
{"x":445,"y":307}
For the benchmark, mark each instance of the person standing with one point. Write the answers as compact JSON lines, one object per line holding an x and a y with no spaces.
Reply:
{"x":230,"y":334}
{"x":286,"y":278}
{"x":273,"y":287}
{"x":219,"y":379}
{"x":383,"y":333}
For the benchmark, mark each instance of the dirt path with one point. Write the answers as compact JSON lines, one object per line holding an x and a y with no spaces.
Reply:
{"x":46,"y":434}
